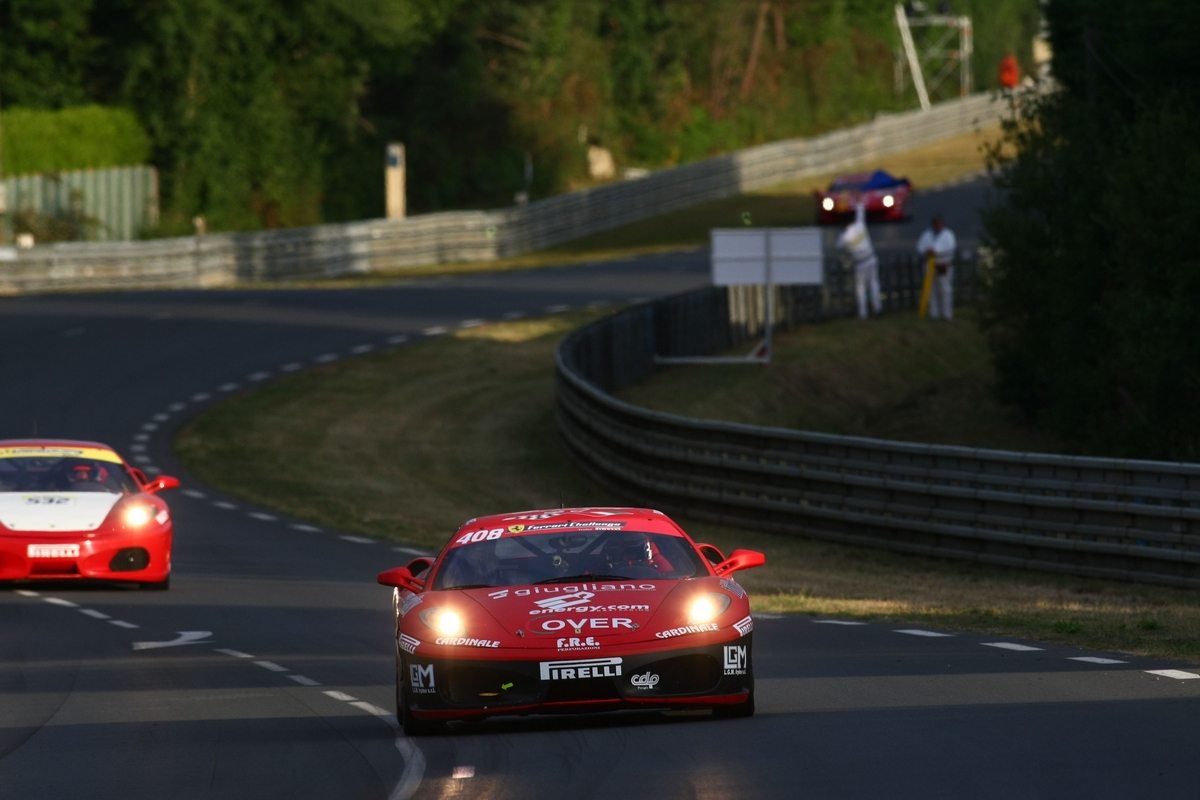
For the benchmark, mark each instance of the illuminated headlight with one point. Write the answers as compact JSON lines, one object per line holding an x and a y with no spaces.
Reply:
{"x":137,"y":516}
{"x":708,"y":607}
{"x":443,"y":621}
{"x":888,"y":201}
{"x":827,"y":204}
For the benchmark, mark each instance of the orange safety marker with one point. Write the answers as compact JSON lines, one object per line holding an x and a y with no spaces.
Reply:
{"x":927,"y":288}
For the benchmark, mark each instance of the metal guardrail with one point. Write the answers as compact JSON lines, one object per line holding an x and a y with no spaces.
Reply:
{"x":380,"y":245}
{"x":1097,"y":517}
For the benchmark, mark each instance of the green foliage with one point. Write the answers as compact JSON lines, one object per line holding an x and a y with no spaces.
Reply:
{"x":82,"y":137}
{"x":1093,"y":312}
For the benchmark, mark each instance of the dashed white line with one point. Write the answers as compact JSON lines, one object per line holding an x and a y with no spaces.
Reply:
{"x":1096,"y":660}
{"x":143,"y":459}
{"x":224,"y":505}
{"x":234,"y":653}
{"x":258,"y":376}
{"x":200,"y":397}
{"x":304,"y":681}
{"x":264,"y":517}
{"x":292,"y":367}
{"x":27,"y":593}
{"x":195,"y":494}
{"x":768,"y":616}
{"x":358,"y":350}
{"x":1177,"y":674}
{"x":511,"y":315}
{"x":918,"y":632}
{"x":227,"y":387}
{"x":141,"y":437}
{"x":137,"y":448}
{"x":398,"y":339}
{"x":161,"y":417}
{"x":150,"y":426}
{"x":838,"y":622}
{"x":336,"y":695}
{"x":176,"y":407}
{"x":410,"y":550}
{"x":94,"y":614}
{"x":558,"y":308}
{"x":152,"y":470}
{"x":326,"y":358}
{"x":271,"y":665}
{"x":471,"y":323}
{"x":435,"y":330}
{"x":1020,"y":648}
{"x":371,"y":708}
{"x":120,"y":623}
{"x":58,"y":601}
{"x":358,"y":539}
{"x":300,"y":526}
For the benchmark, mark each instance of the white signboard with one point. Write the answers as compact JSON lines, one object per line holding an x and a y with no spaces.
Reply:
{"x":740,"y":256}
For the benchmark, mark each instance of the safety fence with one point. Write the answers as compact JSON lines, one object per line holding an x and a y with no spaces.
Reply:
{"x":113,"y":204}
{"x":387,"y":245}
{"x":1097,"y":517}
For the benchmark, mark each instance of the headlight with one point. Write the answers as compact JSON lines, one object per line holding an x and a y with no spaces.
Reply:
{"x":137,"y":516}
{"x":443,"y":621}
{"x":827,"y":204}
{"x":708,"y":607}
{"x":888,"y":201}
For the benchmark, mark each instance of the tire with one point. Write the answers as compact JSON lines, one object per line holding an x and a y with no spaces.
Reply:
{"x":739,"y":711}
{"x":156,"y":586}
{"x":410,"y":724}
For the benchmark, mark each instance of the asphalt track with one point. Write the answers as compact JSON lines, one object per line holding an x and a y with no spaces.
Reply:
{"x":284,"y":687}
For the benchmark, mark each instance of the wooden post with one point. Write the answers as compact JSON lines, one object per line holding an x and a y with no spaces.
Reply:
{"x":394,"y":180}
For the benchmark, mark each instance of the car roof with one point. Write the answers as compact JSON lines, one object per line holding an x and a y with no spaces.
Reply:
{"x":57,"y":447}
{"x":72,"y":443}
{"x":546,"y":519}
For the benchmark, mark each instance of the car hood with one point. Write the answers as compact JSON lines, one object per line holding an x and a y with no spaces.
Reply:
{"x":55,"y":511}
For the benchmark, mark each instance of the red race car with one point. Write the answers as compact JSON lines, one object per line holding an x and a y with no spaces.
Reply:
{"x":886,"y":197}
{"x":72,"y":510}
{"x":567,"y":611}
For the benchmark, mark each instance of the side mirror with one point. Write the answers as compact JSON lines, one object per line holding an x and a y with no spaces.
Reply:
{"x":401,"y":578}
{"x":711,"y":552}
{"x":419,"y":565}
{"x":161,"y":483}
{"x":740,"y":559}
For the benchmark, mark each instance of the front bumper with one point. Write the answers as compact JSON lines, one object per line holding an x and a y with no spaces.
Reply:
{"x":103,"y":556}
{"x":695,"y":677}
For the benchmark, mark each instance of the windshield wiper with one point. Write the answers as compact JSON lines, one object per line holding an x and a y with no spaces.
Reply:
{"x":582,"y":578}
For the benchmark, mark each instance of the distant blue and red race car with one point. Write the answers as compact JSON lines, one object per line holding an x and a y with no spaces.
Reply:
{"x":569,"y":611}
{"x":885,"y":196}
{"x":72,"y":510}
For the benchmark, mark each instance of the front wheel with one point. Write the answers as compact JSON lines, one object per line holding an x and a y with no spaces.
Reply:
{"x":410,"y":724}
{"x":745,"y":709}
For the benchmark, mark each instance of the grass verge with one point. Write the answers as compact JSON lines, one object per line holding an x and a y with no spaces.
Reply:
{"x":410,"y":443}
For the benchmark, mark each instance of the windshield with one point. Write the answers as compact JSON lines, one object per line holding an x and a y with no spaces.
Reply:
{"x":568,"y":556}
{"x":64,"y":474}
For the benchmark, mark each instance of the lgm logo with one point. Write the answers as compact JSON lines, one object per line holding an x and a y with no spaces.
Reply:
{"x":420,"y":678}
{"x":735,"y":659}
{"x":583,"y":668}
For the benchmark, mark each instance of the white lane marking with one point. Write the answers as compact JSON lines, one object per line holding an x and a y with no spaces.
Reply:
{"x":152,"y":470}
{"x":141,"y":437}
{"x":558,"y":308}
{"x":463,"y":772}
{"x":359,"y":349}
{"x":599,"y":304}
{"x":435,"y":330}
{"x":918,"y":632}
{"x":195,"y":494}
{"x":120,"y":623}
{"x":302,"y":527}
{"x":150,"y":426}
{"x":176,"y":407}
{"x":258,"y":376}
{"x":358,"y":539}
{"x":768,"y":616}
{"x":143,"y":459}
{"x":838,"y":622}
{"x":336,"y":695}
{"x":234,"y":653}
{"x":399,"y":339}
{"x":58,"y":601}
{"x":94,"y":614}
{"x":292,"y":367}
{"x":304,"y":681}
{"x":513,"y":315}
{"x":224,"y":505}
{"x":264,"y":517}
{"x":325,"y":358}
{"x":471,"y":323}
{"x":200,"y":397}
{"x":27,"y":593}
{"x":185,"y":637}
{"x":227,"y":387}
{"x":1020,"y":648}
{"x":371,"y":708}
{"x":137,"y":448}
{"x":1096,"y":660}
{"x":1177,"y":674}
{"x":161,"y":417}
{"x":271,"y":665}
{"x":414,"y":551}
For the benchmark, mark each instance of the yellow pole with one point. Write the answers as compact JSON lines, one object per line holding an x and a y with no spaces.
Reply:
{"x":928,"y":287}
